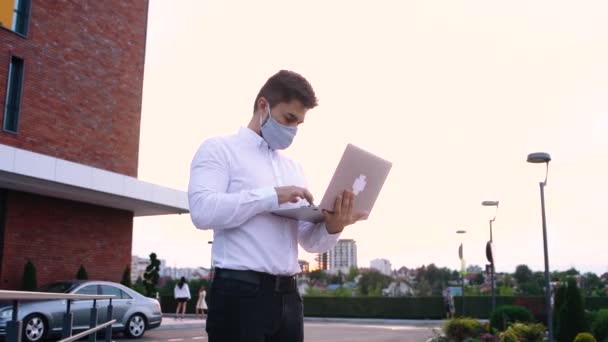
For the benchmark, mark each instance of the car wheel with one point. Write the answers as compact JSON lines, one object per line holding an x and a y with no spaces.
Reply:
{"x":136,"y":326}
{"x":34,"y":328}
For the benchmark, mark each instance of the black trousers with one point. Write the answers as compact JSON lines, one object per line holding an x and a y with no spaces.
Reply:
{"x":241,"y":310}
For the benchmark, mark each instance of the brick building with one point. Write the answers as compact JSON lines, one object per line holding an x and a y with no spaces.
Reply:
{"x":71,"y":75}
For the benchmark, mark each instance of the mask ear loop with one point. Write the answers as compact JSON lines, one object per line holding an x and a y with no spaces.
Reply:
{"x":262,"y":122}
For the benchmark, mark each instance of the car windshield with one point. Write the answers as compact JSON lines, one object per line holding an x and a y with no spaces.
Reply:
{"x":58,"y":287}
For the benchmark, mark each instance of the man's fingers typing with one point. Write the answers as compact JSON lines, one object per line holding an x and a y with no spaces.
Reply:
{"x":308,"y":197}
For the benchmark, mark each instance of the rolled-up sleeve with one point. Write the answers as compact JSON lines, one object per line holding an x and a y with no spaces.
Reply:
{"x":314,"y":238}
{"x":211,"y":207}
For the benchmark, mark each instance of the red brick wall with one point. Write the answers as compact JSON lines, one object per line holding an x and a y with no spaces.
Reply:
{"x":84,"y":63}
{"x":59,"y":235}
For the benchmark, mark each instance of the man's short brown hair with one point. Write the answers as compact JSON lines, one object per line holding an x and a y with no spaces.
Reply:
{"x":285,"y":86}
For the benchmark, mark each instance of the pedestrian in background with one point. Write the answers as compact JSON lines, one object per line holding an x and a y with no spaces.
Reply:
{"x":201,"y":304}
{"x":181,"y":293}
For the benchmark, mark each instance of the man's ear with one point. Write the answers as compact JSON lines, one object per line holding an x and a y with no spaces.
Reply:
{"x":262,"y":103}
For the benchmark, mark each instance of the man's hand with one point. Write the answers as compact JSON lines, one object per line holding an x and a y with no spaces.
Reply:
{"x":293,"y":194}
{"x":343,"y":214}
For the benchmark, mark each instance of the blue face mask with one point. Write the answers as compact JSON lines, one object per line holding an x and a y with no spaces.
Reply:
{"x":278,"y":136}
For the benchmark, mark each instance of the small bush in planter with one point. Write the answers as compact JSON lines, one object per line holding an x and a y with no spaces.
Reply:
{"x":508,"y":336}
{"x":504,"y":315}
{"x":459,"y":329}
{"x":528,"y":332}
{"x":584,"y":337}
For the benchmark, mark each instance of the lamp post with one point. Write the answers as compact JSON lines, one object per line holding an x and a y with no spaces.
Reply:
{"x":539,"y":158}
{"x":490,"y":251}
{"x":462,"y":263}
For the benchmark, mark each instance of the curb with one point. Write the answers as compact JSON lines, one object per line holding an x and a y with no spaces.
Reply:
{"x":169,"y":323}
{"x":378,"y":321}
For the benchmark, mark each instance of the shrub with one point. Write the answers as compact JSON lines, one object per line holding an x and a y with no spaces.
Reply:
{"x":459,"y":329}
{"x":82,"y":273}
{"x":508,"y":336}
{"x":531,"y":332}
{"x":599,"y":326}
{"x":570,"y":318}
{"x":126,"y":277}
{"x":584,"y":337}
{"x":503,"y":316}
{"x":28,"y":281}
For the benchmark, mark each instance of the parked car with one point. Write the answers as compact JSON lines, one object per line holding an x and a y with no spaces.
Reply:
{"x":133,"y":312}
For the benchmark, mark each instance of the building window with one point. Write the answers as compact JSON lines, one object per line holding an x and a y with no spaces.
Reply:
{"x":15,"y":14}
{"x":13,"y":95}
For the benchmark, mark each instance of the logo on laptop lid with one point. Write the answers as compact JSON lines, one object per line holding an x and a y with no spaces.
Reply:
{"x":359,"y":184}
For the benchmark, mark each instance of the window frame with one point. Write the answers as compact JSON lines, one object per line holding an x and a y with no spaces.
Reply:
{"x":22,"y":11}
{"x":9,"y":92}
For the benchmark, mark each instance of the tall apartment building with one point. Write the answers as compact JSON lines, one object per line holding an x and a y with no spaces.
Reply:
{"x":71,"y":76}
{"x":322,"y":260}
{"x":382,"y":265}
{"x":343,"y":256}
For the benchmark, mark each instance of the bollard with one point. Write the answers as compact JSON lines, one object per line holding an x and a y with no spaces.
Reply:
{"x":93,"y":321}
{"x":15,"y":326}
{"x":68,"y":319}
{"x":109,"y":328}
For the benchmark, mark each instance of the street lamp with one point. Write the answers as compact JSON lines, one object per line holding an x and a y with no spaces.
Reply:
{"x":490,"y":251}
{"x":462,"y":265}
{"x":539,"y":158}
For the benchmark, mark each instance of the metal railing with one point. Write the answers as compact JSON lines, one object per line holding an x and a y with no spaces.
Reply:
{"x":14,"y":327}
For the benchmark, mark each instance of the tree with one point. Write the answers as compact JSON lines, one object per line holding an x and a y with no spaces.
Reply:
{"x":508,"y":281}
{"x":531,"y":288}
{"x":82,"y":273}
{"x":523,"y":274}
{"x":423,"y":288}
{"x":151,"y":276}
{"x":570,"y":319}
{"x":317,"y":276}
{"x":478,"y":280}
{"x":28,"y":281}
{"x":371,"y":281}
{"x":139,"y":286}
{"x":474,"y":269}
{"x":591,"y":283}
{"x":352,"y":274}
{"x":571,"y":272}
{"x":436,"y":278}
{"x":126,"y":277}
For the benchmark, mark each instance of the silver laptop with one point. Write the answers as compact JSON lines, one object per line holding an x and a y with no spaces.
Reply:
{"x":358,"y":171}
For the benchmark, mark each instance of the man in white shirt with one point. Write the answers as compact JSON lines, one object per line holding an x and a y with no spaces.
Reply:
{"x":235,"y":181}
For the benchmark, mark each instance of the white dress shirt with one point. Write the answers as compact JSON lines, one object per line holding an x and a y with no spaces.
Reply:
{"x":231,"y":191}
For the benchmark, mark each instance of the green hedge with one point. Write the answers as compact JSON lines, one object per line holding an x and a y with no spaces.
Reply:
{"x":596,"y":303}
{"x":376,"y":307}
{"x":407,"y":307}
{"x":479,"y":306}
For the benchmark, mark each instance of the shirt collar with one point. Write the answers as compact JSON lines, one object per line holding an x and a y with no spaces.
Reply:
{"x":252,"y":137}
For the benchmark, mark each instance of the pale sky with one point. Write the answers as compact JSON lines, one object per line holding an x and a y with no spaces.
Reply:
{"x":454,"y":93}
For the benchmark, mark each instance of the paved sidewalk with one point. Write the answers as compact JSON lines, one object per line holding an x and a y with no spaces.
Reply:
{"x":170,"y":322}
